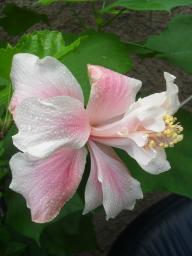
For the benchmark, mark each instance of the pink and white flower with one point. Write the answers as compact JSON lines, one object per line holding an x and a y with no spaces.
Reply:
{"x":55,"y":131}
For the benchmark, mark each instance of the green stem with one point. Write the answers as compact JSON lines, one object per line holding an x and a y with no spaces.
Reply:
{"x":98,"y":17}
{"x":114,"y":17}
{"x":8,"y":119}
{"x":103,"y":5}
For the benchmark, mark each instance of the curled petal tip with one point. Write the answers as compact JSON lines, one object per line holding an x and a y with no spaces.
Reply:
{"x":167,"y":75}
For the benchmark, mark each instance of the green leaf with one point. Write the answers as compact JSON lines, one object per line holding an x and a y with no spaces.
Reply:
{"x":18,"y":215}
{"x":9,"y":148}
{"x":3,"y":44}
{"x":148,"y":5}
{"x":175,"y":43}
{"x":8,"y":246}
{"x":14,"y":248}
{"x":94,"y":48}
{"x":3,"y":170}
{"x":6,"y":56}
{"x":4,"y":95}
{"x":99,"y":49}
{"x":42,"y":43}
{"x":16,"y":20}
{"x":12,"y":243}
{"x":72,"y":234}
{"x":6,"y":150}
{"x":178,"y":179}
{"x":46,"y":43}
{"x":137,"y":48}
{"x":73,"y":205}
{"x":3,"y":82}
{"x":48,"y":2}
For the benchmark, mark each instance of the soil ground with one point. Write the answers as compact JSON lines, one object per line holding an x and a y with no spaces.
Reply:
{"x":134,"y":26}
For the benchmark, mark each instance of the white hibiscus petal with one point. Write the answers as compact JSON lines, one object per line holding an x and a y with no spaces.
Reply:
{"x":47,"y":184}
{"x":45,"y":125}
{"x":42,"y":78}
{"x":119,"y":189}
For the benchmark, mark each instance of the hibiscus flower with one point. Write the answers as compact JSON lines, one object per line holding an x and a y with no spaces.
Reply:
{"x":55,"y":132}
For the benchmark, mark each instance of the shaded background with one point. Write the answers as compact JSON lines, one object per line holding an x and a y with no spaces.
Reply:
{"x":134,"y":26}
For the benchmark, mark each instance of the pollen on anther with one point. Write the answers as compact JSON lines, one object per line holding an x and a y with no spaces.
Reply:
{"x":167,"y":138}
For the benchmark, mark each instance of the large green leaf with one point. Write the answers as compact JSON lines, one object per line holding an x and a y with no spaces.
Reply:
{"x":14,"y":244}
{"x":98,"y":49}
{"x":175,"y":43}
{"x":16,"y":20}
{"x":4,"y":95}
{"x":41,"y":43}
{"x":47,"y":2}
{"x":6,"y":149}
{"x":18,"y":215}
{"x":3,"y":44}
{"x":72,"y":234}
{"x":3,"y":168}
{"x":44,"y":43}
{"x":9,"y":148}
{"x":8,"y":246}
{"x":178,"y":179}
{"x":94,"y":48}
{"x":6,"y":56}
{"x":148,"y":5}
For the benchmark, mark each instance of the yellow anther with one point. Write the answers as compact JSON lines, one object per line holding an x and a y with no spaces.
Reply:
{"x":152,"y":144}
{"x":174,"y":119}
{"x":168,"y":131}
{"x":179,"y":137}
{"x":166,"y":117}
{"x":170,"y":120}
{"x":179,"y":128}
{"x":174,"y":135}
{"x":167,"y":138}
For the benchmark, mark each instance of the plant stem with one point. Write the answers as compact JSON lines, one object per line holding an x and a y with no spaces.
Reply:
{"x":114,"y":17}
{"x":98,"y":17}
{"x":186,"y":101}
{"x":7,"y":120}
{"x":103,"y":5}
